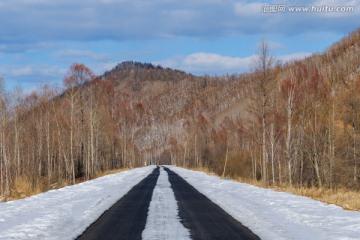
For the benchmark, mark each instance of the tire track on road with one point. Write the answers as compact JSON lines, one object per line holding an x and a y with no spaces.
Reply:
{"x":202,"y":217}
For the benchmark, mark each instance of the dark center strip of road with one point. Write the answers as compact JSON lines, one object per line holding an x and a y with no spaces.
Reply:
{"x":202,"y":217}
{"x":126,"y":219}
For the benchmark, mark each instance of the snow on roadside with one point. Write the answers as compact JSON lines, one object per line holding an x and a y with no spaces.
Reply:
{"x":276,"y":215}
{"x":163,"y":221}
{"x":65,"y":213}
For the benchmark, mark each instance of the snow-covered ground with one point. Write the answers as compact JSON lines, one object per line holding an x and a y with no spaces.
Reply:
{"x":276,"y":215}
{"x":65,"y":213}
{"x":163,"y":222}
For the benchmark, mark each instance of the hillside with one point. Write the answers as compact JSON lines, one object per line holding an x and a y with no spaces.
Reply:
{"x":300,"y":125}
{"x":167,"y":101}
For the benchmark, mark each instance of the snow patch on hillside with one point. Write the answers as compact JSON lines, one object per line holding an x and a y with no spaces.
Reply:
{"x":276,"y":215}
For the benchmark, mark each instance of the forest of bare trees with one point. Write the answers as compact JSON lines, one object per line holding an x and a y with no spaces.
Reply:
{"x":294,"y":123}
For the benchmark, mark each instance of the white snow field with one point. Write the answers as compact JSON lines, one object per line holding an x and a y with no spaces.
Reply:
{"x":276,"y":215}
{"x":66,"y":213}
{"x":163,"y":222}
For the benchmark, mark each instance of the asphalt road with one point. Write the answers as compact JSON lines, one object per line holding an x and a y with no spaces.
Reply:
{"x":126,"y":219}
{"x":204,"y":219}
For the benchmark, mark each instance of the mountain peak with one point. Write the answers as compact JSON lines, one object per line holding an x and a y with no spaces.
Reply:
{"x":130,"y":65}
{"x":137,"y":71}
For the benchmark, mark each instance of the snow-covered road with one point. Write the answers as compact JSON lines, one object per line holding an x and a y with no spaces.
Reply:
{"x":163,"y":220}
{"x":276,"y":215}
{"x":65,"y":213}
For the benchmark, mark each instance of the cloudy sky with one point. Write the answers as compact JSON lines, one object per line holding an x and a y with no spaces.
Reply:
{"x":40,"y":39}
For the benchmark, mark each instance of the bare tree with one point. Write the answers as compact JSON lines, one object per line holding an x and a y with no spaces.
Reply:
{"x":4,"y":159}
{"x":77,"y":76}
{"x":263,"y":68}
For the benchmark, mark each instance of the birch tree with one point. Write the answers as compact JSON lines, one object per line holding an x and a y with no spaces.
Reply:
{"x":77,"y":76}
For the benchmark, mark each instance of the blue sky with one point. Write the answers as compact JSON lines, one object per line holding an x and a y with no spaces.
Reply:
{"x":40,"y":39}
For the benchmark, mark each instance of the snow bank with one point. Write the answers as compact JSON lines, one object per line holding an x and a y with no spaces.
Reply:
{"x":65,"y":213}
{"x":163,"y":222}
{"x":276,"y":215}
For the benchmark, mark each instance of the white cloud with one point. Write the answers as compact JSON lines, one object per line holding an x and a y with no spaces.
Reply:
{"x":336,"y":2}
{"x":274,"y":46}
{"x":21,"y":71}
{"x":99,"y":69}
{"x":71,"y":53}
{"x":40,"y":71}
{"x":32,"y":76}
{"x":212,"y":63}
{"x":12,"y":47}
{"x":244,"y":8}
{"x":294,"y":56}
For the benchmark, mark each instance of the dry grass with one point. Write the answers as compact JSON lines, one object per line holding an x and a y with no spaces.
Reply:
{"x":100,"y":174}
{"x":112,"y":171}
{"x":23,"y":188}
{"x":345,"y":198}
{"x":251,"y":181}
{"x":203,"y":169}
